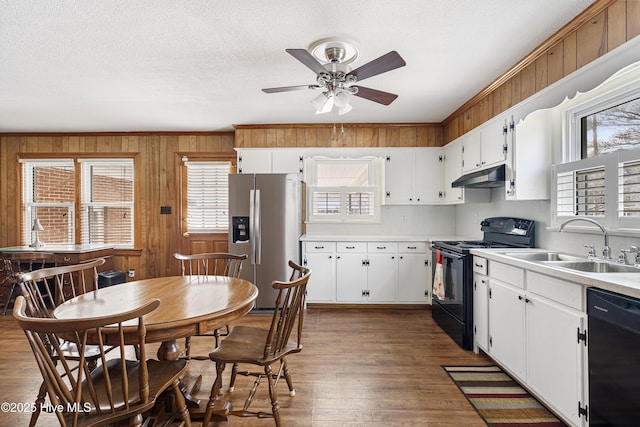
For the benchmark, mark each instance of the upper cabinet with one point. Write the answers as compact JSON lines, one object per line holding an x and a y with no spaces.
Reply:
{"x":270,"y":160}
{"x":528,"y":165}
{"x":413,"y":176}
{"x":452,"y":171}
{"x":485,"y":146}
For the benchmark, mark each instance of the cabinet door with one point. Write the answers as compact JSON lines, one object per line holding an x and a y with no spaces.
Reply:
{"x":554,"y":355}
{"x":351,"y":277}
{"x":471,"y":151}
{"x":288,"y":161}
{"x":428,"y":175}
{"x":382,"y":277}
{"x":481,"y":311}
{"x":506,"y":326}
{"x":254,"y":161}
{"x":322,"y":288}
{"x":413,"y":277}
{"x":399,"y":177}
{"x":492,"y":143}
{"x":452,"y":171}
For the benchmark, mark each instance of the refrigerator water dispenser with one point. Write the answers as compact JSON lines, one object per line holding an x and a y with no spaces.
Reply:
{"x":240,"y":225}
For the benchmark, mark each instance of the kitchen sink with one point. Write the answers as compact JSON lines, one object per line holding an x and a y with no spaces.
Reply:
{"x":593,"y":266}
{"x":544,"y":256}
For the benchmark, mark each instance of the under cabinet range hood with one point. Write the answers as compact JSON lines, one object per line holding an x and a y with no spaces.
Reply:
{"x":486,"y":178}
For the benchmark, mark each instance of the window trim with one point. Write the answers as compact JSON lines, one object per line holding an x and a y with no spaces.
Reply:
{"x":76,"y":158}
{"x":375,"y":180}
{"x":199,"y":157}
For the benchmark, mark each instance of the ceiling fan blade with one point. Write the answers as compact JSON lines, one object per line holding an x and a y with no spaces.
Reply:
{"x":289,"y":88}
{"x":374,"y":95}
{"x":388,"y":62}
{"x":307,"y":59}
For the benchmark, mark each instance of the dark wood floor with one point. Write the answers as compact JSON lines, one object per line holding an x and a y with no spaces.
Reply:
{"x":359,"y":367}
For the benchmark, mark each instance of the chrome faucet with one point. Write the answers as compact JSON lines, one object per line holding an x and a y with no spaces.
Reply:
{"x":606,"y":250}
{"x":622,"y":259}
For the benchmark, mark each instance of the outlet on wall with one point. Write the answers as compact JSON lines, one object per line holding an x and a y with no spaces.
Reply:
{"x":132,"y":273}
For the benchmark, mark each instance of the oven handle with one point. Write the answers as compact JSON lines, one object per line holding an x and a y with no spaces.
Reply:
{"x":449,"y":254}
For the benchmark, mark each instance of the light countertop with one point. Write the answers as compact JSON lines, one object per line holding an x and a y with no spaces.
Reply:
{"x":376,"y":238}
{"x":624,"y":283}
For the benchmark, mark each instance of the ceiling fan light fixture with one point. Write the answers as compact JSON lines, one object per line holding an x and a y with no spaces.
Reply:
{"x":344,"y":109}
{"x":334,"y":50}
{"x":323,"y":102}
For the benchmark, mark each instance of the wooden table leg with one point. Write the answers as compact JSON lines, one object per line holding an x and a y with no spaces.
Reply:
{"x":170,"y":350}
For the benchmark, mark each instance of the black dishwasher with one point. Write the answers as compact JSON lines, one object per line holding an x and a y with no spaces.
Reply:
{"x":614,"y":358}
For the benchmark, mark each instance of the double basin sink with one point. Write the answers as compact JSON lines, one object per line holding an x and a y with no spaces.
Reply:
{"x":572,"y":262}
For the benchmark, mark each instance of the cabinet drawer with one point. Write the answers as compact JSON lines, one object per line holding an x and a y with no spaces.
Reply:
{"x":561,"y":291}
{"x":412,"y":247}
{"x":382,"y":247}
{"x":310,"y":247}
{"x":351,"y":247}
{"x":507,"y":274}
{"x":479,"y":265}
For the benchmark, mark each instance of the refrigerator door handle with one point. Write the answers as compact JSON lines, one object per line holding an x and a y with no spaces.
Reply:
{"x":252,"y":226}
{"x":257,"y":228}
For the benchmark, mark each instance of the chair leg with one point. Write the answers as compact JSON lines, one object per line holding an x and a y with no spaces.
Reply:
{"x":42,"y":393}
{"x":181,"y":405}
{"x":6,"y":304}
{"x":287,"y":376}
{"x":275,"y":407}
{"x":234,"y":374}
{"x":187,"y":347}
{"x":215,"y":389}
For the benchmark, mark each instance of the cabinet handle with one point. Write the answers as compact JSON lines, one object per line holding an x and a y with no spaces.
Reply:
{"x":66,"y":259}
{"x":330,"y":256}
{"x":319,"y":247}
{"x":477,"y":265}
{"x":381,"y":247}
{"x":351,"y":247}
{"x":412,"y":247}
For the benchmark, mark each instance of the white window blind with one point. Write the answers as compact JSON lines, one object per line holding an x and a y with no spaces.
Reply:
{"x":581,"y":193}
{"x":107,"y":215}
{"x":629,"y":189}
{"x":48,"y":187}
{"x":207,"y":196}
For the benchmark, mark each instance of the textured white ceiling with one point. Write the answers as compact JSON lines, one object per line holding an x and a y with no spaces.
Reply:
{"x":199,"y":65}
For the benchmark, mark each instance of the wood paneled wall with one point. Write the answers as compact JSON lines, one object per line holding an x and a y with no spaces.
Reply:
{"x":354,"y":135}
{"x":157,"y":183}
{"x":605,"y":25}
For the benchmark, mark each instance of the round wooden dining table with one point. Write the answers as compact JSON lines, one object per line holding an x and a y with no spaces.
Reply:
{"x":189,"y":305}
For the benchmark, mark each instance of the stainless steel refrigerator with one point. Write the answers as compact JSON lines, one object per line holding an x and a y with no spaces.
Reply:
{"x":265,"y":222}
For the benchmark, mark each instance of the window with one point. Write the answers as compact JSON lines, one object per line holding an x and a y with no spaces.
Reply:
{"x":207,"y":192}
{"x":49,"y":195}
{"x":599,"y":176}
{"x":344,"y":190}
{"x":104,"y":197}
{"x":107,"y":201}
{"x":611,"y":129}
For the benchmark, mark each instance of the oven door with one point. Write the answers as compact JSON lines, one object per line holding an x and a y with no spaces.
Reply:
{"x":453,"y":281}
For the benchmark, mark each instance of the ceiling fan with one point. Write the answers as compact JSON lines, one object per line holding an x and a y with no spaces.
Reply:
{"x":329,"y":59}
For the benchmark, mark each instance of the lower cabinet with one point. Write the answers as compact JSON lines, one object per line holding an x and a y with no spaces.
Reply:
{"x":322,"y":256}
{"x":368,"y":272}
{"x":535,"y":325}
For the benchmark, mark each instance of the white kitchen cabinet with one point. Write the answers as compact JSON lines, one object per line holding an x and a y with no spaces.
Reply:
{"x":483,"y":147}
{"x":527,"y":171}
{"x":321,"y":258}
{"x":480,"y":304}
{"x":414,"y":273}
{"x":285,"y":160}
{"x":351,"y":273}
{"x":382,"y":272}
{"x":536,"y":325}
{"x":554,"y":355}
{"x":254,"y":160}
{"x":452,"y":170}
{"x":506,"y":326}
{"x":413,"y":176}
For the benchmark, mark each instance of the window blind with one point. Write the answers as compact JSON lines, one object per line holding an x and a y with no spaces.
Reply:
{"x":581,"y":192}
{"x":107,"y":201}
{"x":207,"y":196}
{"x":629,"y":189}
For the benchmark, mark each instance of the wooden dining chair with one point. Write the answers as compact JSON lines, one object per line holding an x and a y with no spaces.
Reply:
{"x":21,"y":262}
{"x":45,"y":289}
{"x":261,"y":347}
{"x":119,"y":389}
{"x":209,"y":264}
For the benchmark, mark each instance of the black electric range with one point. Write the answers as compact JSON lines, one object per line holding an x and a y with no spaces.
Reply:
{"x":454,"y":310}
